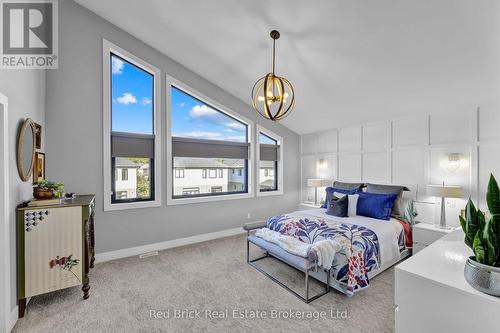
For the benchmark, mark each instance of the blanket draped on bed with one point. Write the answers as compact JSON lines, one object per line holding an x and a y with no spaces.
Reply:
{"x":359,"y":251}
{"x":324,"y":249}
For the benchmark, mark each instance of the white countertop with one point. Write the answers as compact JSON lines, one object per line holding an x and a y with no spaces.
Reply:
{"x":443,"y":263}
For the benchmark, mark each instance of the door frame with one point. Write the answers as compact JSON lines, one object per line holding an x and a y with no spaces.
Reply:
{"x":5,"y":313}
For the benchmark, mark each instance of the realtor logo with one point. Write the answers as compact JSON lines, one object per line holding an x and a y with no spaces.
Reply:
{"x":29,"y":34}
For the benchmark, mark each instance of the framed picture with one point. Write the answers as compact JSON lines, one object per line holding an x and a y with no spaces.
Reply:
{"x":39,"y":172}
{"x":38,"y":136}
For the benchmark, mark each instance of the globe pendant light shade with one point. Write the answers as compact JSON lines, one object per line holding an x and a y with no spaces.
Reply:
{"x":273,"y":96}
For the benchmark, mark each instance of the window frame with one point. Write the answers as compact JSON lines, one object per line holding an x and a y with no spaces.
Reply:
{"x":108,"y":48}
{"x":172,"y":82}
{"x":279,"y":169}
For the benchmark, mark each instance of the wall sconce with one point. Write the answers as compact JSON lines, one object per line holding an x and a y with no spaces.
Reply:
{"x":453,"y":162}
{"x":321,"y":163}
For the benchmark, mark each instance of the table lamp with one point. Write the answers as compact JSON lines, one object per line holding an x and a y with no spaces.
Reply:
{"x":317,"y":182}
{"x":443,"y":192}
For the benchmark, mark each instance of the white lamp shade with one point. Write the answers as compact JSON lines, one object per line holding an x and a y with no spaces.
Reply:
{"x":318,"y":182}
{"x":445,"y":191}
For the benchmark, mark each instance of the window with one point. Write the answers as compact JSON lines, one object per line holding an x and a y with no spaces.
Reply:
{"x":190,"y":191}
{"x":270,"y":166}
{"x":132,"y":138}
{"x":210,"y":143}
{"x":179,"y":173}
{"x":121,"y":194}
{"x":216,"y":189}
{"x":130,"y":127}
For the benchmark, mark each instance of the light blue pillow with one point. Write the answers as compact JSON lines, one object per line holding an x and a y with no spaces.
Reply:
{"x":376,"y":205}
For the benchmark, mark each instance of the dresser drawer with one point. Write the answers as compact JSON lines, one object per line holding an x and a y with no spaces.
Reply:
{"x":426,"y":237}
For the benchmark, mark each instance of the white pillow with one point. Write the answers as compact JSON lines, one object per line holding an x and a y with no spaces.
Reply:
{"x":353,"y":202}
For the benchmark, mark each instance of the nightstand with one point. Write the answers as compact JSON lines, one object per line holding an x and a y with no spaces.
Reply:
{"x":424,"y":234}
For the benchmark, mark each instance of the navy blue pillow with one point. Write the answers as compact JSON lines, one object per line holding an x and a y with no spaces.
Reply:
{"x":337,"y":207}
{"x":334,"y":189}
{"x":376,"y":205}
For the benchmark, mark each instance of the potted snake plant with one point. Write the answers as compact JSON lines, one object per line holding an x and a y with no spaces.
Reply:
{"x":482,"y":235}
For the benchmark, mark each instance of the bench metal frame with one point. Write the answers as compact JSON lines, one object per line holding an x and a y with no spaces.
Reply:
{"x":305,"y":299}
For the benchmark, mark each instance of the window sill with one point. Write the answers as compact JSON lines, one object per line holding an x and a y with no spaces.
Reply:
{"x":131,"y":205}
{"x":184,"y":201}
{"x":269,"y":193}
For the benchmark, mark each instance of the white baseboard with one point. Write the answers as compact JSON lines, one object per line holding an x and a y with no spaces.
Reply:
{"x":134,"y":251}
{"x":12,"y":319}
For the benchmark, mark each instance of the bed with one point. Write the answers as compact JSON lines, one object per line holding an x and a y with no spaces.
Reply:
{"x":368,"y":247}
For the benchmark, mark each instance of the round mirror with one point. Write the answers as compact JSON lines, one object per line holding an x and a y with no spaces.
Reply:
{"x":26,"y":150}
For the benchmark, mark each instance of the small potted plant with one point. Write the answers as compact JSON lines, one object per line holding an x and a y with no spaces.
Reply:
{"x":46,"y":189}
{"x":482,"y":235}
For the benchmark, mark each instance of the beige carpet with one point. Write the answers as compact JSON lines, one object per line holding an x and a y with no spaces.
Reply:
{"x":208,"y":276}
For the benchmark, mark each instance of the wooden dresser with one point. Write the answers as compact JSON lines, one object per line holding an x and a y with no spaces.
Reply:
{"x":55,"y":247}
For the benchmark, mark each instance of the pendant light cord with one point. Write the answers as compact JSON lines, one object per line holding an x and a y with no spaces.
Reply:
{"x":274,"y":66}
{"x":274,"y":54}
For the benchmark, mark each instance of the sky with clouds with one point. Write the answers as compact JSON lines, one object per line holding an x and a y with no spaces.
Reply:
{"x":132,"y":95}
{"x":192,"y":118}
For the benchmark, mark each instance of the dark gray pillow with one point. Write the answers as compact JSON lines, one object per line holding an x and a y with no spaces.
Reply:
{"x":337,"y":207}
{"x":348,"y":186}
{"x":397,"y":209}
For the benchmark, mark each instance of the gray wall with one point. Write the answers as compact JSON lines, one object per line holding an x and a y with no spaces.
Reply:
{"x":74,"y":139}
{"x":25,"y":90}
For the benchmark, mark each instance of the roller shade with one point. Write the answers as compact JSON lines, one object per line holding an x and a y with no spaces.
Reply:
{"x":186,"y":147}
{"x":269,"y":152}
{"x":132,"y":145}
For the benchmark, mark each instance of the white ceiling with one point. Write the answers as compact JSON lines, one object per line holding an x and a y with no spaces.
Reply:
{"x":349,"y":61}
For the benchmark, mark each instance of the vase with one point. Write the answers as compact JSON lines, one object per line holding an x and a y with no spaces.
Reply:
{"x":482,"y":277}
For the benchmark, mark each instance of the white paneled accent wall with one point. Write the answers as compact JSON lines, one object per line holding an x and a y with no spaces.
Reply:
{"x":415,"y":152}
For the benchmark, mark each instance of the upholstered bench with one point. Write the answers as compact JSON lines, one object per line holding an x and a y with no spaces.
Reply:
{"x":304,"y":264}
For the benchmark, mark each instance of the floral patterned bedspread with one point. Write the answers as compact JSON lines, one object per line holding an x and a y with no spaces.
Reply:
{"x":360,"y":248}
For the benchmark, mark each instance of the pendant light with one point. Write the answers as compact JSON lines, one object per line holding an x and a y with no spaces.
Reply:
{"x":273,"y":96}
